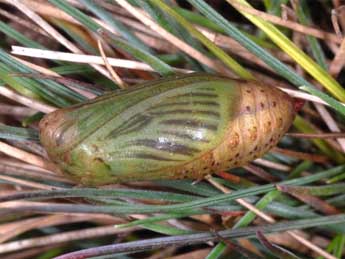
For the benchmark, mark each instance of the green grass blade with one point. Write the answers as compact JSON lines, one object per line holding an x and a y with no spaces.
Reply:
{"x":16,"y":133}
{"x":76,"y":35}
{"x":141,"y":54}
{"x":324,"y":190}
{"x":304,"y":17}
{"x":203,"y":237}
{"x":298,"y":55}
{"x":53,"y":92}
{"x":236,"y":34}
{"x":170,"y":24}
{"x":205,"y":202}
{"x":339,"y":248}
{"x":19,"y":37}
{"x":261,"y":204}
{"x":167,"y":230}
{"x":117,"y":25}
{"x":230,"y":62}
{"x":109,"y":193}
{"x":245,"y":221}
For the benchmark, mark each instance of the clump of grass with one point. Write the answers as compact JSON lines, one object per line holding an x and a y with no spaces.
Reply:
{"x":288,"y":205}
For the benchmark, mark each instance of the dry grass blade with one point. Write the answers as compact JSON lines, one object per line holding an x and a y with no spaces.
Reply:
{"x":128,"y":64}
{"x":87,"y":59}
{"x":335,"y":23}
{"x":18,"y":169}
{"x":10,"y":94}
{"x":24,"y":23}
{"x":258,"y":171}
{"x":15,"y":110}
{"x":27,"y":157}
{"x":51,"y":31}
{"x":294,"y":234}
{"x":27,"y":183}
{"x":61,"y":238}
{"x":68,"y":52}
{"x":173,"y":39}
{"x":338,"y":61}
{"x":271,"y":164}
{"x":114,"y":75}
{"x":289,"y":24}
{"x":317,"y":135}
{"x":10,"y":230}
{"x":301,"y":155}
{"x":331,"y":123}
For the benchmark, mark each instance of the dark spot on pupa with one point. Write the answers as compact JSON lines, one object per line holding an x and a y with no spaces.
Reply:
{"x":67,"y":157}
{"x":98,"y":159}
{"x":95,"y":148}
{"x":237,"y":155}
{"x":274,"y":104}
{"x":262,"y":90}
{"x":248,"y":108}
{"x":280,"y":123}
{"x":262,"y":105}
{"x":248,"y":91}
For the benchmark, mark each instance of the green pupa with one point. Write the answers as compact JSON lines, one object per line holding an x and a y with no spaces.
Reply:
{"x":173,"y":128}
